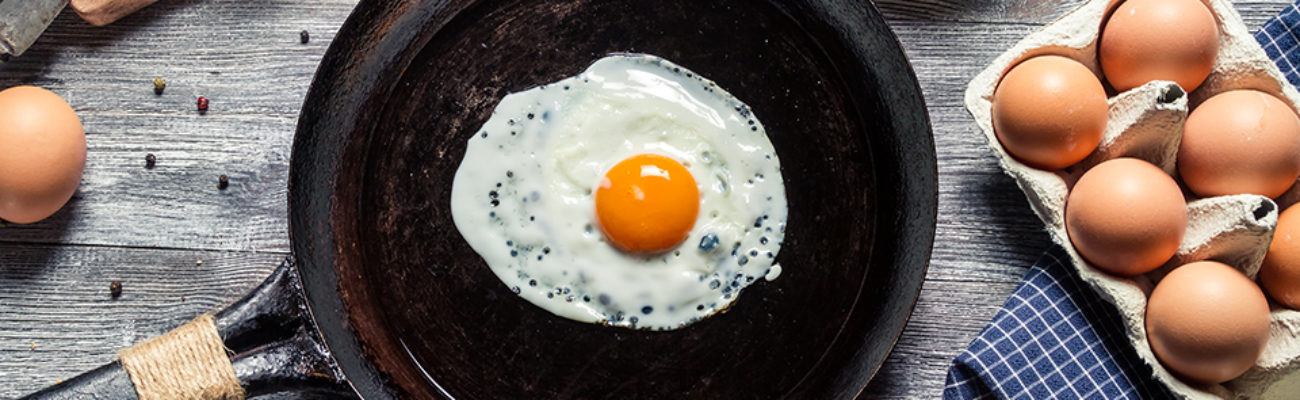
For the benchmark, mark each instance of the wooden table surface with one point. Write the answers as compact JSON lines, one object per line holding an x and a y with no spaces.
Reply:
{"x":181,"y":247}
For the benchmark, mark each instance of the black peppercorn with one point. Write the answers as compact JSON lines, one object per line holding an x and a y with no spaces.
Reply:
{"x":304,"y":37}
{"x":115,"y":289}
{"x":223,"y":182}
{"x":149,"y":161}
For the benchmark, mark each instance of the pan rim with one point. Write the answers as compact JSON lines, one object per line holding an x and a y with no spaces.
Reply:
{"x":313,"y":247}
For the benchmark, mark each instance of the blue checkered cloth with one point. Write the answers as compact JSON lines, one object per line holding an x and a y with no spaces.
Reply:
{"x":1055,"y":338}
{"x":1278,"y":36}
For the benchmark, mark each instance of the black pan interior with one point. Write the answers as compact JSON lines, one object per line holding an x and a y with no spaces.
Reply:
{"x":430,"y":319}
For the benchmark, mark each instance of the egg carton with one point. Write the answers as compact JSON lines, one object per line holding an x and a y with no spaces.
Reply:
{"x":1147,"y":123}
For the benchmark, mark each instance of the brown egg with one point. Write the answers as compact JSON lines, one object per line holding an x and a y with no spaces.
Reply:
{"x":1126,"y":216}
{"x":1240,"y":141}
{"x":1146,"y":40}
{"x":1049,"y":112}
{"x":1207,"y":321}
{"x":1280,"y":274}
{"x":42,"y":153}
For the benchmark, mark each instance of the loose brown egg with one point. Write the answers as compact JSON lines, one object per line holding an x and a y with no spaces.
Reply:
{"x":1049,"y":112}
{"x":1146,"y":40}
{"x":1240,"y":141}
{"x":1280,"y":274}
{"x":1207,"y":321}
{"x":42,"y":153}
{"x":1126,"y":216}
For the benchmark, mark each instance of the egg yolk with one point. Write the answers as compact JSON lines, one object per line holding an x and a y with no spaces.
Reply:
{"x":647,"y":203}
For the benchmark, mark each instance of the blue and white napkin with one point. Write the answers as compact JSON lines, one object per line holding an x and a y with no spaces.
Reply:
{"x":1053,"y":339}
{"x":1278,"y":36}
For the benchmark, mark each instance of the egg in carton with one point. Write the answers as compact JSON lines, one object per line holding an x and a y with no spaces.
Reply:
{"x":1147,"y":123}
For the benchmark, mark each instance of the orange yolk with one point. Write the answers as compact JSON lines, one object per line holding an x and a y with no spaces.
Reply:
{"x":647,"y":203}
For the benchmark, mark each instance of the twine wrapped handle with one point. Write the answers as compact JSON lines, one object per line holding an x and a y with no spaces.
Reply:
{"x":190,"y":362}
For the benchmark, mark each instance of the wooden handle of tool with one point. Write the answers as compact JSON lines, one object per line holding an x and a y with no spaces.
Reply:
{"x":104,"y":12}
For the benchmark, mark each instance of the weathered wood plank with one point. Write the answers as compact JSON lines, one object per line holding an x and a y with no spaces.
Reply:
{"x":149,"y":227}
{"x":984,"y":11}
{"x":176,"y":204}
{"x":57,"y":318}
{"x":243,"y":55}
{"x":941,"y":326}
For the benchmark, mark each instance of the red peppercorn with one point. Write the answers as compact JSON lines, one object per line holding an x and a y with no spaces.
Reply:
{"x":203,"y":103}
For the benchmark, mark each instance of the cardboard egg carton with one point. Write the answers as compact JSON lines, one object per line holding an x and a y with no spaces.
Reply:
{"x":1147,"y":122}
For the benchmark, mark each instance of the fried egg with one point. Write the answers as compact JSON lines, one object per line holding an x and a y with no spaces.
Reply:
{"x":636,"y":194}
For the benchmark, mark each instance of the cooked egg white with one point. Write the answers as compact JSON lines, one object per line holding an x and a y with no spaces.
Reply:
{"x":523,"y":197}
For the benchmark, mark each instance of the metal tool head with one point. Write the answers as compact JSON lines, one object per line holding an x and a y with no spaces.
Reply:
{"x":22,"y":21}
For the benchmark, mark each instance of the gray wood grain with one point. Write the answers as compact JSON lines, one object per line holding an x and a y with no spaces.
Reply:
{"x":59,"y":319}
{"x":176,"y":204}
{"x":149,"y":227}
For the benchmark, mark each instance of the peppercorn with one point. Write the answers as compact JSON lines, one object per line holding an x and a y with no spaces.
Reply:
{"x":304,"y":37}
{"x":223,"y":182}
{"x":158,"y":85}
{"x":115,"y":289}
{"x":149,"y":161}
{"x":203,"y":103}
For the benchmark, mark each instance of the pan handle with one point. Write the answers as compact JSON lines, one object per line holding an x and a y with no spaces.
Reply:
{"x":275,"y":343}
